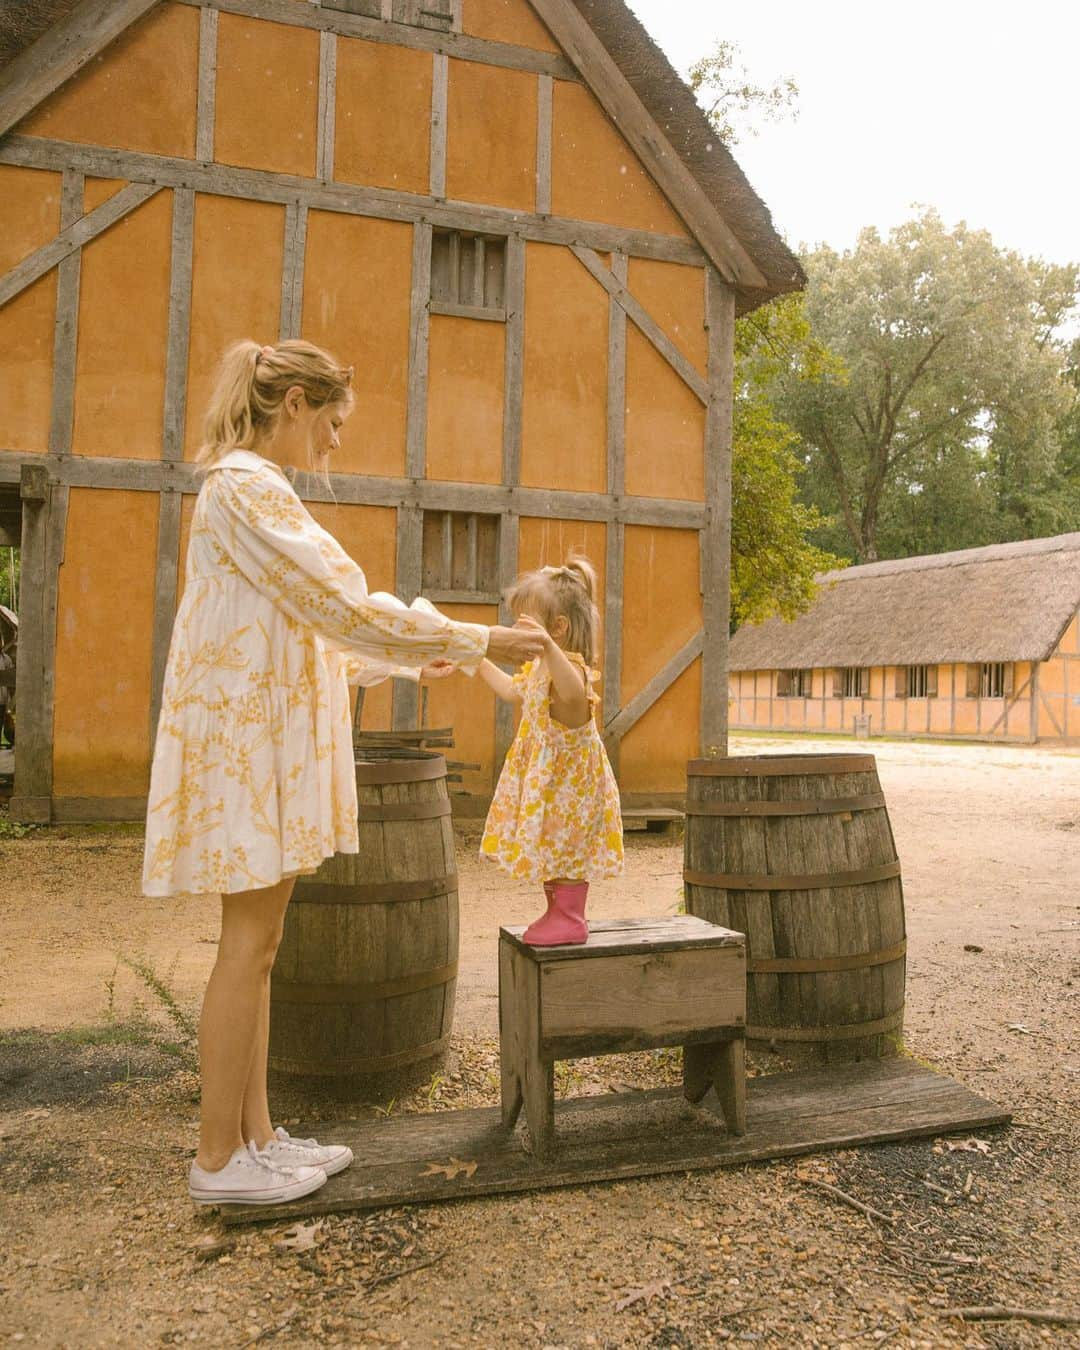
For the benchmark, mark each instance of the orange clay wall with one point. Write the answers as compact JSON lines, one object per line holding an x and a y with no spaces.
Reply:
{"x":1059,"y":688}
{"x":141,"y":94}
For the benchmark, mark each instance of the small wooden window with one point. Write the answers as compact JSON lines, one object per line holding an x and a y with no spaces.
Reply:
{"x":916,"y":682}
{"x":995,"y":679}
{"x":461,"y":557}
{"x":468,"y":275}
{"x":369,"y":9}
{"x":851,"y":682}
{"x":794,"y":683}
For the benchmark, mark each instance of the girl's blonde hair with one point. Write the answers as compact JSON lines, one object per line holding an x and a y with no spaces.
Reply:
{"x":251,"y":386}
{"x":569,"y":591}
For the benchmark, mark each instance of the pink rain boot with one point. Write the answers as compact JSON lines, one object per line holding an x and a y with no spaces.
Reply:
{"x":564,"y":923}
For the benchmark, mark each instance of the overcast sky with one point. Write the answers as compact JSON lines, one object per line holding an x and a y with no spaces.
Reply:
{"x":966,"y":105}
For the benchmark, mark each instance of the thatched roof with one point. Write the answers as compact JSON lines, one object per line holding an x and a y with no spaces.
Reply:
{"x":655,"y":81}
{"x":1008,"y":602}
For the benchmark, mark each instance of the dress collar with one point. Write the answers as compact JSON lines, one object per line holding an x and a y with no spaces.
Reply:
{"x":244,"y":459}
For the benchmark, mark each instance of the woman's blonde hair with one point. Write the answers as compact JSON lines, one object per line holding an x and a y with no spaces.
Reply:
{"x":251,"y":385}
{"x":569,"y":591}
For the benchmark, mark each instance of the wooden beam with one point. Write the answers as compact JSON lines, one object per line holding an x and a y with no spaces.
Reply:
{"x":716,"y":536}
{"x":206,"y":114}
{"x":44,"y":524}
{"x":166,"y":576}
{"x":510,"y":522}
{"x":87,"y":227}
{"x":381,"y":203}
{"x":419,"y":326}
{"x":66,"y":331}
{"x":598,"y":68}
{"x":660,"y":683}
{"x":179,"y":338}
{"x":151,"y":475}
{"x":407,"y":583}
{"x":61,"y":51}
{"x":615,"y":550}
{"x":292,"y":271}
{"x":458,"y":45}
{"x":327,"y":105}
{"x":544,"y":102}
{"x":440,"y":81}
{"x":616,"y":287}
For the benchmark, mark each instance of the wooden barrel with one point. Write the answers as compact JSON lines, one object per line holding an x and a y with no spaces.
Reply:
{"x":796,"y":851}
{"x":366,"y":973}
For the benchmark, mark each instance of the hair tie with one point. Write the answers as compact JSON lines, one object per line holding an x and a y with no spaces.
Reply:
{"x":264,"y":353}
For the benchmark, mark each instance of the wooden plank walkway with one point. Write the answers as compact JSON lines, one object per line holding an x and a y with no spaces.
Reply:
{"x":636,"y":1134}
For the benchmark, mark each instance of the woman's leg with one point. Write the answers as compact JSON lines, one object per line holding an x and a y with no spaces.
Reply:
{"x":255,"y":1112}
{"x":232,"y":1014}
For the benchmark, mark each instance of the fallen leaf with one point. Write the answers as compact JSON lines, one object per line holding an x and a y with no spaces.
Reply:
{"x":1019,"y":1026}
{"x":971,"y":947}
{"x":645,"y":1295}
{"x":301,"y":1237}
{"x":456,"y":1167}
{"x":968,"y":1145}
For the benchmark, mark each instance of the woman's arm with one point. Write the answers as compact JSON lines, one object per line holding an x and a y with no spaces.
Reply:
{"x":268,"y":534}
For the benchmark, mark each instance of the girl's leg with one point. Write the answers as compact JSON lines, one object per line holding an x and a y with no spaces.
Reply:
{"x":231,"y":1023}
{"x":255,"y":1111}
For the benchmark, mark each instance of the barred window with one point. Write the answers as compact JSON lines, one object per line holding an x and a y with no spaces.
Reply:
{"x":794,"y":683}
{"x":461,"y":557}
{"x":468,"y":274}
{"x":851,"y":682}
{"x":438,"y":14}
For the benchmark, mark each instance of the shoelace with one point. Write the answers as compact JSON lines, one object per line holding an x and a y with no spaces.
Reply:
{"x":260,"y":1159}
{"x":284,"y":1137}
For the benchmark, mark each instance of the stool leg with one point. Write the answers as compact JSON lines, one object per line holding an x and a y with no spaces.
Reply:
{"x":731,"y":1084}
{"x":510,"y":1048}
{"x":540,"y":1103}
{"x":700,"y":1064}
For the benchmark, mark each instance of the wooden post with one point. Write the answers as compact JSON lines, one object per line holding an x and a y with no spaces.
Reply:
{"x":616,"y":530}
{"x":509,"y":525}
{"x":65,"y":334}
{"x":716,"y":536}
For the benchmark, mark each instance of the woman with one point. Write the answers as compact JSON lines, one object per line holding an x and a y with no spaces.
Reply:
{"x":252,"y":782}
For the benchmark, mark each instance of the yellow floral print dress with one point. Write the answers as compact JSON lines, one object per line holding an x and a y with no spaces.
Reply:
{"x":253,"y":777}
{"x":556,"y":810}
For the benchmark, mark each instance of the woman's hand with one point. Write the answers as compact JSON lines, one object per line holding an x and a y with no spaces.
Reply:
{"x":527,"y":624}
{"x":516,"y":645}
{"x":438,"y":670}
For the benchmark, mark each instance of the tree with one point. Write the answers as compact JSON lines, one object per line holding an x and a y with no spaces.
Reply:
{"x":732,"y":100}
{"x":944,"y":427}
{"x":773,"y":562}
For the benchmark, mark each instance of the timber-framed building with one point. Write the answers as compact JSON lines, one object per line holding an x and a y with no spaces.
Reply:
{"x":982,"y":644}
{"x":511,"y":215}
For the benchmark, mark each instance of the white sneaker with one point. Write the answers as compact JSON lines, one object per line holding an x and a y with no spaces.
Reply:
{"x":284,"y":1151}
{"x":251,"y":1178}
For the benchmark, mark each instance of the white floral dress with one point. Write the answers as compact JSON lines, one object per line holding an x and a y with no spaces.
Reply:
{"x":556,"y":811}
{"x":253,"y":778}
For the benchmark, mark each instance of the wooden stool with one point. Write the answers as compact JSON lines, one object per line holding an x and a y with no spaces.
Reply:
{"x":637,"y":984}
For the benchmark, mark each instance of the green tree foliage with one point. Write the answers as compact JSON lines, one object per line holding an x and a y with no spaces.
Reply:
{"x":773,"y":562}
{"x":947,"y":420}
{"x":732,"y":100}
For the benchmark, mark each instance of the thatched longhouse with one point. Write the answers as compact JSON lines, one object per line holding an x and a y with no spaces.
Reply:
{"x":983,"y":644}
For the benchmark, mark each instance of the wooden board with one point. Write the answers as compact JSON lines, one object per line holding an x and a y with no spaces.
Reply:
{"x":639,"y":1134}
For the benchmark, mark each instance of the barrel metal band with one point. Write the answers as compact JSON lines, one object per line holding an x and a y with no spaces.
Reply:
{"x":376,"y":771}
{"x":848,"y":1032}
{"x":374,"y":892}
{"x":780,"y":766}
{"x":403,"y":810}
{"x":368,"y":1064}
{"x":814,"y":881}
{"x":825,"y":806}
{"x":813,"y":965}
{"x":373,"y":991}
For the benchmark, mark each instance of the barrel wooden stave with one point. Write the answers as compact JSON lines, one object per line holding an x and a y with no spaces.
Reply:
{"x":823,"y":922}
{"x":339,"y":946}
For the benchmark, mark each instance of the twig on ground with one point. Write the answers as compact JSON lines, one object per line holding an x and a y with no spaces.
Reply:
{"x":398,"y":1274}
{"x":846,"y":1199}
{"x":994,"y":1313}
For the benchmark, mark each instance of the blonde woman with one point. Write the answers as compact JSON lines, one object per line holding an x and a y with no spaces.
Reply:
{"x":252,"y":782}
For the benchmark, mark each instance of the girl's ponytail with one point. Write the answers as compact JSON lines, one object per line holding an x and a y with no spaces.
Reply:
{"x":229,"y":419}
{"x":584,"y":572}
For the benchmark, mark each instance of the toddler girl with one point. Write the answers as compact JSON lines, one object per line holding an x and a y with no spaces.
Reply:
{"x":555,"y":816}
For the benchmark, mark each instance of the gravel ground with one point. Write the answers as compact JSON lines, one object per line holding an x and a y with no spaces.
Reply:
{"x":98,"y":1105}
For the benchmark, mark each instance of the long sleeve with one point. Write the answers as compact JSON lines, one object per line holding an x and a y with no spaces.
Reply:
{"x":269,"y":536}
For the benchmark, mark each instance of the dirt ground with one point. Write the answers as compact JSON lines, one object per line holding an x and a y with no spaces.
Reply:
{"x":98,"y":1106}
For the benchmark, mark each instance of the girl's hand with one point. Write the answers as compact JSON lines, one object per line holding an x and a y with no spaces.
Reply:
{"x":438,"y":670}
{"x":526,"y":623}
